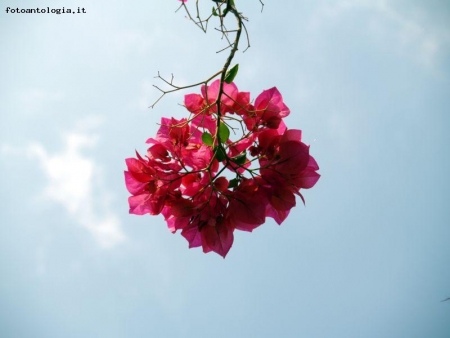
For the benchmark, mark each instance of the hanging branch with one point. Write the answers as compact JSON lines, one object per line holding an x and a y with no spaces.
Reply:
{"x":221,"y":10}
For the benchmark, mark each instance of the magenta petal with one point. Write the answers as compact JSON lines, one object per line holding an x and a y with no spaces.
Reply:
{"x":177,"y":223}
{"x":211,"y":92}
{"x":244,"y":144}
{"x":291,"y":135}
{"x":312,"y":163}
{"x":281,"y":128}
{"x":138,"y":204}
{"x":307,"y":179}
{"x":182,"y":208}
{"x":272,"y":101}
{"x":192,"y":235}
{"x":247,"y":212}
{"x":294,"y":157}
{"x":158,"y":151}
{"x":194,"y":102}
{"x":241,"y":106}
{"x":278,"y":215}
{"x":267,"y":138}
{"x":282,"y":199}
{"x":249,"y":227}
{"x":133,"y":164}
{"x":134,"y":186}
{"x":218,"y":238}
{"x":139,"y":170}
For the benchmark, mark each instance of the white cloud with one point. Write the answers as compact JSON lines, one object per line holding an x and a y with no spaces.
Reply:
{"x":425,"y":41}
{"x":89,"y":123}
{"x":414,"y":35}
{"x":74,"y":181}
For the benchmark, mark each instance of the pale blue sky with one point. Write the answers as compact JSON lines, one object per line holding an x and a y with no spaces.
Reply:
{"x":368,"y":82}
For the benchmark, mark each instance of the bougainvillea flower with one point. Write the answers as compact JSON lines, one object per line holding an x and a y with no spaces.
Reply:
{"x":205,"y":103}
{"x":270,"y":108}
{"x":149,"y":187}
{"x":172,"y":133}
{"x":183,"y":176}
{"x":308,"y":177}
{"x":227,"y":99}
{"x":242,"y":104}
{"x":208,"y":228}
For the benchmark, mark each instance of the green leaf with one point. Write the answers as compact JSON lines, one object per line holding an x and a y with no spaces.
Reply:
{"x":233,"y":183}
{"x":214,"y":12}
{"x":207,"y":139}
{"x":224,"y":132}
{"x":240,"y":159}
{"x":220,"y":154}
{"x":231,"y":74}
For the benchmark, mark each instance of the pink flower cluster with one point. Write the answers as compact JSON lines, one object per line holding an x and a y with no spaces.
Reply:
{"x":209,"y":183}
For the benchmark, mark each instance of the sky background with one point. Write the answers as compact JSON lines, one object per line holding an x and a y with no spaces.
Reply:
{"x":368,"y":82}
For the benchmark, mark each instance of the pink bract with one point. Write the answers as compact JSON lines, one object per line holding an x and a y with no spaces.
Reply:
{"x":208,"y":187}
